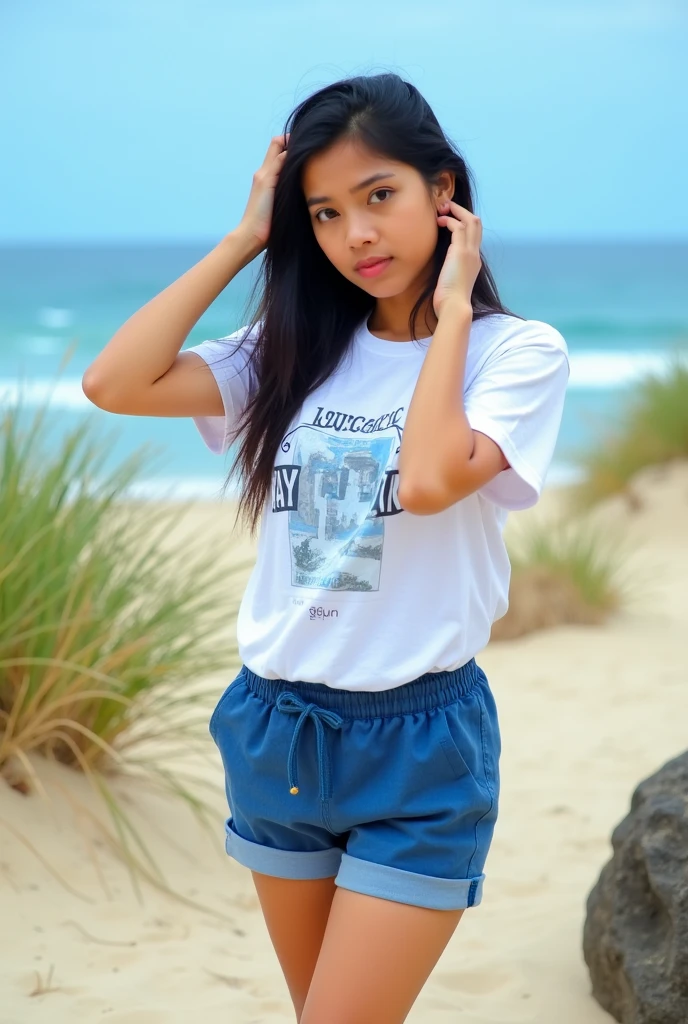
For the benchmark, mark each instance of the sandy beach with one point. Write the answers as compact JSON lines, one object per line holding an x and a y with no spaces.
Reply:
{"x":585,"y":713}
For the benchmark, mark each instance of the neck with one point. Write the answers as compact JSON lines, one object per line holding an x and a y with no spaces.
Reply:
{"x":390,"y":318}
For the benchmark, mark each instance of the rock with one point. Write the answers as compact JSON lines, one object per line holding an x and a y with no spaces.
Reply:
{"x":635,"y":937}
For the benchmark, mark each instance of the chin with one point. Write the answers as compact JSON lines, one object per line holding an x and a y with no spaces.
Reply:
{"x":383,"y":289}
{"x":388,"y":292}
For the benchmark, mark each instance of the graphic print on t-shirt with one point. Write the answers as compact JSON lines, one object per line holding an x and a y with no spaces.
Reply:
{"x":337,"y":492}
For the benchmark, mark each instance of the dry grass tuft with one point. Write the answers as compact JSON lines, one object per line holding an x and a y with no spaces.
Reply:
{"x":102,"y":632}
{"x":565,"y":571}
{"x":653,"y":429}
{"x":541,"y":599}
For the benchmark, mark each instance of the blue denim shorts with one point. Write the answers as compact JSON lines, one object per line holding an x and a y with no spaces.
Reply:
{"x":393,"y":793}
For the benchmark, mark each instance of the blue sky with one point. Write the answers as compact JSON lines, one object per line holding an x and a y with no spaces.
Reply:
{"x":144,"y":119}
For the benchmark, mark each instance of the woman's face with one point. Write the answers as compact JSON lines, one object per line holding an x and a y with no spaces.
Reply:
{"x":355,"y":218}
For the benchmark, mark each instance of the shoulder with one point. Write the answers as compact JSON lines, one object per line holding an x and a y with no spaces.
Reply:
{"x":501,"y":338}
{"x":504,"y":331}
{"x":502,"y":328}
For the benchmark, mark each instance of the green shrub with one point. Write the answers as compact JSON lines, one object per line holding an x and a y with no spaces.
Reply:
{"x":102,"y":631}
{"x":653,"y":429}
{"x":564,"y":571}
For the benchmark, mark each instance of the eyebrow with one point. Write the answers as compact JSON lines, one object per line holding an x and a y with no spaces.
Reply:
{"x":314,"y":200}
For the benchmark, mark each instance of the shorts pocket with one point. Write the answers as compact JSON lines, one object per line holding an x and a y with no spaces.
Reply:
{"x":462,"y":739}
{"x":231,"y":689}
{"x":492,"y":741}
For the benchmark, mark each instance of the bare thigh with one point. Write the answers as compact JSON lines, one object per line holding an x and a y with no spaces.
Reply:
{"x":295,"y":913}
{"x":376,"y":956}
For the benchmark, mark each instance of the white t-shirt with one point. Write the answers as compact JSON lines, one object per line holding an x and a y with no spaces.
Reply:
{"x":349,"y":589}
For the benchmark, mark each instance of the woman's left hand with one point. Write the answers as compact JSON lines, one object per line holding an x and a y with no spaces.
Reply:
{"x":462,"y":263}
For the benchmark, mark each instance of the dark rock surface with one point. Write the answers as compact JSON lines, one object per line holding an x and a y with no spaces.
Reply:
{"x":635,"y":937}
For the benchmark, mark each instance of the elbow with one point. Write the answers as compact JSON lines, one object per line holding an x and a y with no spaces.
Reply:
{"x":427,"y":500}
{"x":420,"y":501}
{"x":92,"y":386}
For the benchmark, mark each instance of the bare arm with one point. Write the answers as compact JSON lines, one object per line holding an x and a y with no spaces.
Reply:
{"x":141,"y":371}
{"x":443,"y":460}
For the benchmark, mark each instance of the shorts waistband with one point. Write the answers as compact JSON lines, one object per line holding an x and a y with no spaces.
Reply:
{"x":431,"y":690}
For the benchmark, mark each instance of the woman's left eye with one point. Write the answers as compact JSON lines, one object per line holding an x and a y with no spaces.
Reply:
{"x":378,"y":190}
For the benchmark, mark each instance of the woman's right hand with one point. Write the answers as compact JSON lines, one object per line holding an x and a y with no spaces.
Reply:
{"x":257,"y":219}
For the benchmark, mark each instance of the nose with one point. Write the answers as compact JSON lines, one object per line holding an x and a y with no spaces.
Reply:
{"x":360,"y":230}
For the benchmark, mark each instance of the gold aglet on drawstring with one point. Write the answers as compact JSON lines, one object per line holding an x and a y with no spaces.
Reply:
{"x":294,"y":789}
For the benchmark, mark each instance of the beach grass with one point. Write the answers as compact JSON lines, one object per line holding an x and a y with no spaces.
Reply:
{"x":565,"y":570}
{"x":652,"y":429}
{"x":570,"y":569}
{"x":102,"y":633}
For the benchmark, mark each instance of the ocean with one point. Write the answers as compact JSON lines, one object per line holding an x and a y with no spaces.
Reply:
{"x":622,"y":308}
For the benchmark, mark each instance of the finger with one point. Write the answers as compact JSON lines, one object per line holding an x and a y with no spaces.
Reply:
{"x":474,"y":232}
{"x":455,"y":226}
{"x":470,"y":221}
{"x":460,"y":211}
{"x":276,"y":145}
{"x":474,"y":227}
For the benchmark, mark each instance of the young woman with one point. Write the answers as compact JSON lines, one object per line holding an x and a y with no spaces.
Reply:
{"x":388,"y":412}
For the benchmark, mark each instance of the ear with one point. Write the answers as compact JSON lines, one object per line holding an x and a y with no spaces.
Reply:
{"x":444,"y":186}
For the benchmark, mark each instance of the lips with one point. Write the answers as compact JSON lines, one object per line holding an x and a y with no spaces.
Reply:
{"x":370,"y":261}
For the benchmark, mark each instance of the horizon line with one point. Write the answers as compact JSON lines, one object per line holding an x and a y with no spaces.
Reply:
{"x":135,"y":242}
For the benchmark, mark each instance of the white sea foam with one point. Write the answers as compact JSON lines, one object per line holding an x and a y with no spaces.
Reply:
{"x":63,"y":394}
{"x":606,"y":370}
{"x":589,"y":369}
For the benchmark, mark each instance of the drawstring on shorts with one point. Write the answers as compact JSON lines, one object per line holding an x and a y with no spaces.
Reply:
{"x":292,"y":704}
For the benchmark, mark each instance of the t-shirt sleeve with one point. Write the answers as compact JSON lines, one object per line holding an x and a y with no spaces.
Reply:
{"x":517,"y":399}
{"x":235,"y":378}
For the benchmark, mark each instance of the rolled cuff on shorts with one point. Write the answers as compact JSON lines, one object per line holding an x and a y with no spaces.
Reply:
{"x":359,"y":875}
{"x":303,"y":864}
{"x":390,"y":883}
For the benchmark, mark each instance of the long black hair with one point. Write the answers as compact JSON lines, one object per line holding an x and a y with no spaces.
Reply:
{"x":308,"y":311}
